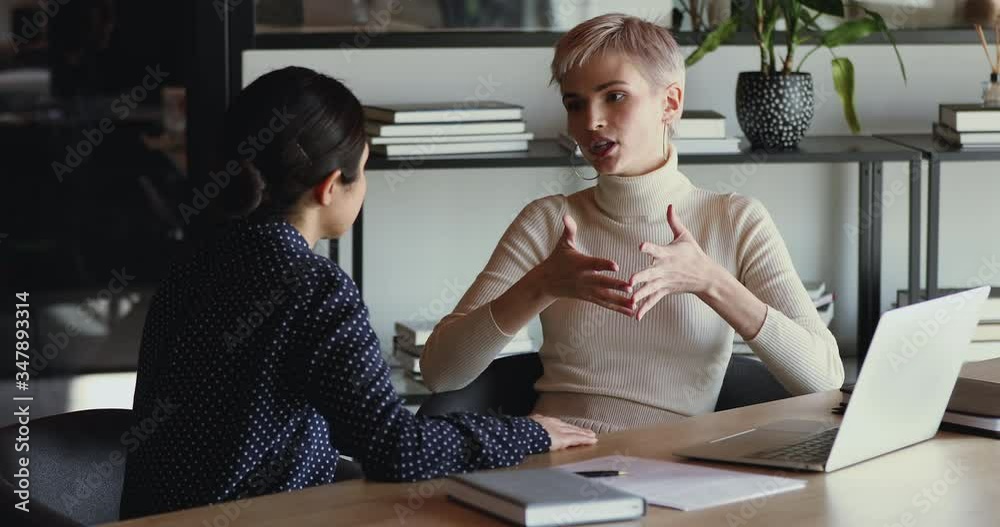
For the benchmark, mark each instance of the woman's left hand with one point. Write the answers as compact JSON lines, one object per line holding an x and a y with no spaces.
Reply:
{"x":679,"y":267}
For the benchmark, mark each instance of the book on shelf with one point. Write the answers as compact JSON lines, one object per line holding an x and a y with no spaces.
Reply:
{"x":826,"y":313}
{"x":409,"y":363}
{"x":966,"y":139}
{"x":974,"y":406}
{"x":474,"y":138}
{"x":433,"y":149}
{"x":823,"y":300}
{"x":374,"y":128}
{"x":988,"y":314}
{"x":700,"y":124}
{"x":415,"y":332}
{"x":730,"y":145}
{"x":815,"y":288}
{"x":970,"y":117}
{"x":444,"y":112}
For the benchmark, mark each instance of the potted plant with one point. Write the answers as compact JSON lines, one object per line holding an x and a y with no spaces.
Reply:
{"x":774,"y":106}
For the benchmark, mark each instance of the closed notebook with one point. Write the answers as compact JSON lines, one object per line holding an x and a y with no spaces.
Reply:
{"x":543,"y":497}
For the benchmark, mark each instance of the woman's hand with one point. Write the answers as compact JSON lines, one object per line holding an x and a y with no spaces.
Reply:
{"x":680,"y":267}
{"x":568,"y":273}
{"x":563,"y":434}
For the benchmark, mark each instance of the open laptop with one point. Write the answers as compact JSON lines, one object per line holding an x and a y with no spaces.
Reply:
{"x":900,"y":396}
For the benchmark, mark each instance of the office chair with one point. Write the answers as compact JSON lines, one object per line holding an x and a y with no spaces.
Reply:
{"x":507,"y":387}
{"x":747,"y":381}
{"x":38,"y":514}
{"x":74,"y":479}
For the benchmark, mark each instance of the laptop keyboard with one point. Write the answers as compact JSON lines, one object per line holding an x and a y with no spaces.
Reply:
{"x":813,"y":449}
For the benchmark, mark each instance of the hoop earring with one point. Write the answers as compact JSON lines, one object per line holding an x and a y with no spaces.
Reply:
{"x":576,"y":173}
{"x":665,"y":154}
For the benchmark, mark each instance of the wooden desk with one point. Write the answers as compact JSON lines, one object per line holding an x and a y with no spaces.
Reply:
{"x":948,"y":481}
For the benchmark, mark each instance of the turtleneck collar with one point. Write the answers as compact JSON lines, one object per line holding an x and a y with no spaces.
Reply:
{"x":644,"y":197}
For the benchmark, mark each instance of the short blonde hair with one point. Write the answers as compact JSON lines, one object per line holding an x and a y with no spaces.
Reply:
{"x":650,"y":47}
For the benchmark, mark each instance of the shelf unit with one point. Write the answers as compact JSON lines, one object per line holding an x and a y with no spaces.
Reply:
{"x":936,"y":152}
{"x":868,"y":152}
{"x":326,"y":39}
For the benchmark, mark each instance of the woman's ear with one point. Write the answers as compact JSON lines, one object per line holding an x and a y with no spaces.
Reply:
{"x":325,"y":190}
{"x":673,"y":102}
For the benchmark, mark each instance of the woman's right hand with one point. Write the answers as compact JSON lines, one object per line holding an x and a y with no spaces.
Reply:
{"x":568,"y":273}
{"x":563,"y":434}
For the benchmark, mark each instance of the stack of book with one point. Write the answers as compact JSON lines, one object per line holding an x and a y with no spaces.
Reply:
{"x":697,"y":132}
{"x":986,"y":340}
{"x":470,"y":127}
{"x":974,"y":407}
{"x":408,"y":345}
{"x":822,"y":299}
{"x":968,"y":126}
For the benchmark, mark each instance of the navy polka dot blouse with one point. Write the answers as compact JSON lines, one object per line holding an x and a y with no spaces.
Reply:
{"x":258,"y":367}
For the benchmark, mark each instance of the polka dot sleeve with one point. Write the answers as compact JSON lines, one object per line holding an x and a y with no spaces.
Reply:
{"x":347,"y":380}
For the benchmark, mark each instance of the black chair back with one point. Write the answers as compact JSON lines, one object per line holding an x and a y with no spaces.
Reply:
{"x":77,"y":463}
{"x":747,"y":382}
{"x":507,"y":387}
{"x":38,"y":514}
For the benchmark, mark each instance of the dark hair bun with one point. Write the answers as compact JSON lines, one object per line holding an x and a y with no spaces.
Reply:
{"x":244,"y":193}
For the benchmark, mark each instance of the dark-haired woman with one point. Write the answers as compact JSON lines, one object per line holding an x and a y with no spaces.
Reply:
{"x":258,"y":366}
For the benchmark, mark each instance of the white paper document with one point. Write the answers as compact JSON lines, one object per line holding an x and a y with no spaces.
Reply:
{"x":682,"y":486}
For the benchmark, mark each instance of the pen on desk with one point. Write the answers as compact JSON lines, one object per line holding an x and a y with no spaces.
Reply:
{"x":600,"y":473}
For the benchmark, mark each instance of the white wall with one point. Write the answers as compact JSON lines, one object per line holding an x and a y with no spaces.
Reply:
{"x":434,"y":230}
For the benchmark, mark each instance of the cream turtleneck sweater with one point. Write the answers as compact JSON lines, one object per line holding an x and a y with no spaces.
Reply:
{"x":607,"y":372}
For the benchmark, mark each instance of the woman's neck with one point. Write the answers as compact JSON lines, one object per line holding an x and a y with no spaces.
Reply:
{"x":642,"y":197}
{"x":649,"y":168}
{"x":307,"y":225}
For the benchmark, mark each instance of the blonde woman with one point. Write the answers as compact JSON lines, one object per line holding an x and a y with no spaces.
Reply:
{"x":638,"y":307}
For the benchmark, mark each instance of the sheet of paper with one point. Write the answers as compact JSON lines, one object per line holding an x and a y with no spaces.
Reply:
{"x":682,"y":486}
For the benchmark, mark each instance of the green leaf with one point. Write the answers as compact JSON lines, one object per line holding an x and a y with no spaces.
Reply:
{"x":828,"y":7}
{"x":770,"y":20}
{"x":843,"y":82}
{"x":850,"y":31}
{"x":809,"y":23}
{"x":790,"y":10}
{"x":884,"y":28}
{"x":714,"y":39}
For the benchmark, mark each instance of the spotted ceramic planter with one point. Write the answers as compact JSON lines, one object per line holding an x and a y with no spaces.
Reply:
{"x":774,"y":111}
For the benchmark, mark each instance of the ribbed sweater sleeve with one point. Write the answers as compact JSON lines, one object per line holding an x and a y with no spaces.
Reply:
{"x":464,"y":343}
{"x":794,"y":343}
